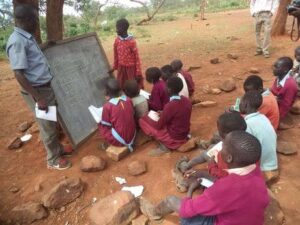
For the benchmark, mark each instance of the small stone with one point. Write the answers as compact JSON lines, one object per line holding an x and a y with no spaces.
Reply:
{"x":296,"y":108}
{"x":207,"y":104}
{"x":14,"y":143}
{"x":228,"y":85}
{"x":215,"y":91}
{"x":206,"y":88}
{"x":136,"y":168}
{"x":273,"y":213}
{"x":28,"y":213}
{"x":195,"y":101}
{"x":62,"y":209}
{"x":14,"y":189}
{"x":38,"y":188}
{"x":254,"y":70}
{"x":24,"y":126}
{"x":92,"y":163}
{"x":141,"y":220}
{"x":188,"y":146}
{"x":63,"y":193}
{"x":116,"y":153}
{"x":118,"y":208}
{"x":33,"y":129}
{"x":215,"y":61}
{"x":232,"y":56}
{"x":286,"y":148}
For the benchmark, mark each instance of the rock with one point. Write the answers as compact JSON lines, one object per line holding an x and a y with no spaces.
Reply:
{"x":232,"y":56}
{"x":254,"y":70}
{"x":271,"y":176}
{"x":136,"y":168}
{"x":228,"y":85}
{"x":63,"y":193}
{"x":14,"y":189}
{"x":207,"y":104}
{"x":14,"y":143}
{"x":195,"y":101}
{"x":286,"y":148}
{"x":28,"y":213}
{"x":273,"y":213}
{"x":141,"y":138}
{"x":215,"y":91}
{"x":215,"y":61}
{"x":116,"y":153}
{"x":141,"y":220}
{"x":119,"y":208}
{"x":33,"y":129}
{"x":92,"y":163}
{"x":188,"y":146}
{"x":296,"y":108}
{"x":206,"y":88}
{"x":24,"y":126}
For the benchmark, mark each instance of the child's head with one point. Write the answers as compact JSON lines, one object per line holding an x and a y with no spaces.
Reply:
{"x":174,"y":85}
{"x":122,"y":26}
{"x":176,"y":65}
{"x":166,"y":72}
{"x":131,"y":88}
{"x":153,"y":74}
{"x":240,"y":149}
{"x":230,"y":121}
{"x":282,"y":66}
{"x":251,"y":102}
{"x":297,"y":54}
{"x":112,"y":88}
{"x":253,"y":83}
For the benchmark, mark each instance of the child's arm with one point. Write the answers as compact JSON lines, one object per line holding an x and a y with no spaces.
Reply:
{"x":116,"y":62}
{"x":286,"y":101}
{"x":202,"y":158}
{"x":139,"y":77}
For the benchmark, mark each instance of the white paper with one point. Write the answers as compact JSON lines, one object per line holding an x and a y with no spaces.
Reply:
{"x":145,"y":94}
{"x":121,"y":180}
{"x":26,"y":137}
{"x":50,"y":115}
{"x":214,"y":150}
{"x":96,"y":113}
{"x":137,"y":191}
{"x":153,"y":115}
{"x":206,"y":183}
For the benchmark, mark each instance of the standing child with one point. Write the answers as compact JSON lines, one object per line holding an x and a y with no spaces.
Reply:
{"x":296,"y":68}
{"x":159,"y":95}
{"x":126,"y":56}
{"x":117,"y":125}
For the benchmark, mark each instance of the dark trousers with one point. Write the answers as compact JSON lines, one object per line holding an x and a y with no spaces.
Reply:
{"x":198,"y":220}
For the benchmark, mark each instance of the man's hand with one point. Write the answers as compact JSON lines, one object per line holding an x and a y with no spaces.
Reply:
{"x":42,"y":105}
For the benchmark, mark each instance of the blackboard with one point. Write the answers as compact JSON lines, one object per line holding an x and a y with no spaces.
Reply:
{"x":80,"y":67}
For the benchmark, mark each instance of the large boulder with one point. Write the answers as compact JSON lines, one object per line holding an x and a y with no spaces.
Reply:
{"x":92,"y":163}
{"x":273,"y":213}
{"x":119,"y":208}
{"x":63,"y":193}
{"x":136,"y":168}
{"x":28,"y":213}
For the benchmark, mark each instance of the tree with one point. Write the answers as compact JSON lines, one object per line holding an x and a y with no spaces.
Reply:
{"x":6,"y":15}
{"x":281,"y":18}
{"x":54,"y":20}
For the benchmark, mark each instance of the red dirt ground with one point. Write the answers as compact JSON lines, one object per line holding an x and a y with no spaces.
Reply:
{"x":195,"y":42}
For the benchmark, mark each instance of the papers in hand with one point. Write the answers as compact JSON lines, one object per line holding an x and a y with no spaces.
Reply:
{"x":50,"y":115}
{"x":206,"y":183}
{"x":96,"y":113}
{"x":145,"y":94}
{"x":214,"y":150}
{"x":137,"y":191}
{"x":153,"y":115}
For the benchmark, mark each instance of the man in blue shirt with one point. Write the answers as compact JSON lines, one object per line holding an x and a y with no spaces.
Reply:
{"x":33,"y":74}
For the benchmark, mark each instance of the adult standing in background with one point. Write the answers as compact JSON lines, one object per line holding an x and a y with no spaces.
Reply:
{"x":262,"y":11}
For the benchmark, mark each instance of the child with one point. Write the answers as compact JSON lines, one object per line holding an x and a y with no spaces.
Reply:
{"x":260,"y":127}
{"x":239,"y":198}
{"x":296,"y":68}
{"x":173,"y":127}
{"x":166,"y":72}
{"x":284,"y":87}
{"x":140,"y":103}
{"x":269,"y":105}
{"x":126,"y":56}
{"x":159,"y":95}
{"x":177,"y":67}
{"x":117,"y":125}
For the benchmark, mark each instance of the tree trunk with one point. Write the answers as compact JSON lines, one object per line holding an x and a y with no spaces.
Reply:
{"x":54,"y":20}
{"x":281,"y":18}
{"x":35,"y":4}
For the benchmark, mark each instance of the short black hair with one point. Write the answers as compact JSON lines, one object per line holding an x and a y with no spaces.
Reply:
{"x":153,"y":74}
{"x":166,"y":72}
{"x":131,"y":88}
{"x":252,"y":99}
{"x":244,"y":148}
{"x":253,"y":82}
{"x":24,"y":11}
{"x":175,"y":85}
{"x":123,"y":23}
{"x":112,"y":87}
{"x":176,"y":65}
{"x":231,"y":121}
{"x":288,"y":62}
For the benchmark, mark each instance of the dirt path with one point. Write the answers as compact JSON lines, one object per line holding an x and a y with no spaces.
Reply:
{"x":195,"y":42}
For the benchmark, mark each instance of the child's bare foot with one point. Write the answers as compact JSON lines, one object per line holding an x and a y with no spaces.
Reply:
{"x":148,"y":209}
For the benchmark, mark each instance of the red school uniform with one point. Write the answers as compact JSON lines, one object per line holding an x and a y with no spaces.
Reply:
{"x":159,"y":96}
{"x":189,"y":81}
{"x":127,"y":60}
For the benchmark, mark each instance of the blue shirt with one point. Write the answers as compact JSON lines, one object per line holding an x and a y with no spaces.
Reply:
{"x":259,"y":126}
{"x":25,"y":54}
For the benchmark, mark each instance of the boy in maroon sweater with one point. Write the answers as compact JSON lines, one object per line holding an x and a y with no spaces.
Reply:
{"x":173,"y":127}
{"x":239,"y":198}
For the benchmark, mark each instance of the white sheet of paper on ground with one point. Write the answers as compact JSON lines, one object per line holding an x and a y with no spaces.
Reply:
{"x":96,"y":113}
{"x":214,"y":150}
{"x":50,"y":115}
{"x":26,"y":137}
{"x":153,"y":115}
{"x":137,"y":191}
{"x":206,"y":183}
{"x":121,"y":180}
{"x":145,"y":94}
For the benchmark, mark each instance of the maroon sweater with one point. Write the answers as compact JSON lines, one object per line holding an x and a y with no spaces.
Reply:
{"x":159,"y":96}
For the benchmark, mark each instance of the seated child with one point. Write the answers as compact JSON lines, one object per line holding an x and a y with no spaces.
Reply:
{"x":177,"y":67}
{"x":140,"y":103}
{"x":284,"y":87}
{"x":237,"y":199}
{"x":159,"y":95}
{"x":269,"y":106}
{"x":117,"y":125}
{"x":296,"y":68}
{"x":173,"y":127}
{"x":260,"y":127}
{"x":166,"y":72}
